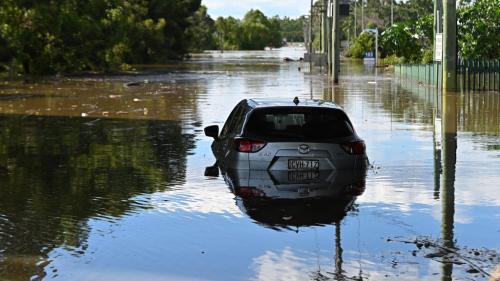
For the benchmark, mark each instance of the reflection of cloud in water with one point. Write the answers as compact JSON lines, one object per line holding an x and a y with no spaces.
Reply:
{"x":387,"y":271}
{"x":215,"y":199}
{"x":462,"y":214}
{"x":122,"y":274}
{"x":286,"y":265}
{"x":280,"y":266}
{"x":384,"y":190}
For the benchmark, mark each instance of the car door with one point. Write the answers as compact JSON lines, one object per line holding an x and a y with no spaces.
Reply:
{"x":225,"y":145}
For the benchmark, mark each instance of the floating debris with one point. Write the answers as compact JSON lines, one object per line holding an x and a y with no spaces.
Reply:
{"x":133,"y":84}
{"x":478,"y":260}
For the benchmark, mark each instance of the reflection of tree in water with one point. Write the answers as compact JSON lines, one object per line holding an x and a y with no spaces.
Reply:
{"x":480,"y":112}
{"x":403,"y":105}
{"x":55,"y":173}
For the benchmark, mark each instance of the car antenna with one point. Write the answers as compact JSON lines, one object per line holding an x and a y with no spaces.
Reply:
{"x":296,"y":100}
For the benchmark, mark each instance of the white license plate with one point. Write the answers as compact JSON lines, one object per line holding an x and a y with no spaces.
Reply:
{"x":300,"y":164}
{"x":297,"y":176}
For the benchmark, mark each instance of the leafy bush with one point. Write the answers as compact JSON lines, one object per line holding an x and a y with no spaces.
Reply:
{"x":365,"y":42}
{"x":427,"y":56}
{"x":398,"y":40}
{"x":392,"y":60}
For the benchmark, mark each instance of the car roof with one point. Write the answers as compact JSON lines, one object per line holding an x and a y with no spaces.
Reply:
{"x":281,"y":102}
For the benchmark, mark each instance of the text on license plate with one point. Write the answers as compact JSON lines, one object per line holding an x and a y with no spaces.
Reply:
{"x":296,"y":164}
{"x":297,"y":176}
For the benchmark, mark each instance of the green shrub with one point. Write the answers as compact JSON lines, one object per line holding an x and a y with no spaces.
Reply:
{"x":365,"y":42}
{"x":398,"y":40}
{"x":392,"y":60}
{"x":427,"y":56}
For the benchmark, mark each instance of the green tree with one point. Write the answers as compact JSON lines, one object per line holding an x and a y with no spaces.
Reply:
{"x":363,"y":43}
{"x":292,"y":30}
{"x":399,"y":40}
{"x":275,"y":30}
{"x":202,"y":31}
{"x":479,"y":29}
{"x":256,"y":32}
{"x":228,"y":33}
{"x":43,"y":37}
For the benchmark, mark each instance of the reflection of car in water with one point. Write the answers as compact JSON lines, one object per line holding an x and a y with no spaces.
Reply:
{"x":295,"y":198}
{"x":286,"y":135}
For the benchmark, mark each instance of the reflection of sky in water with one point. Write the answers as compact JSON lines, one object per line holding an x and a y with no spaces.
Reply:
{"x":193,"y":229}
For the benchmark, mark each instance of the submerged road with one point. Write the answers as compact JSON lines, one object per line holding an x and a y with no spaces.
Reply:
{"x":104,"y":180}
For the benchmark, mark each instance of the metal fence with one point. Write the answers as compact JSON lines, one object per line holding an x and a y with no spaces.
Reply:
{"x":478,"y":75}
{"x":422,"y":73}
{"x":472,"y":75}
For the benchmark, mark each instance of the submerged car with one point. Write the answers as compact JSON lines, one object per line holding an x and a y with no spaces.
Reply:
{"x":287,"y":135}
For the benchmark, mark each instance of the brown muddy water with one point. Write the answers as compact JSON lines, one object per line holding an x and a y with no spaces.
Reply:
{"x":104,"y":181}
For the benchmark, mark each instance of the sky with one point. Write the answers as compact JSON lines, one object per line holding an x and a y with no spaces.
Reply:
{"x":238,"y":8}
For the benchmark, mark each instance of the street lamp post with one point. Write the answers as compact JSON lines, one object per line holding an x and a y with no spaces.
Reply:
{"x":392,"y":13}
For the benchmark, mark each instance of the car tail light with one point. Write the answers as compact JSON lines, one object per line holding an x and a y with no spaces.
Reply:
{"x":356,"y":147}
{"x":246,"y":192}
{"x":246,"y":145}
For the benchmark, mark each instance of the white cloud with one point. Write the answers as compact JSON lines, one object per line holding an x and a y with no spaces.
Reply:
{"x":270,"y":8}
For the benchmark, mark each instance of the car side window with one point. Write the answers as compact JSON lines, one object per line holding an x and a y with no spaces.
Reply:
{"x":239,"y":118}
{"x":227,"y":129}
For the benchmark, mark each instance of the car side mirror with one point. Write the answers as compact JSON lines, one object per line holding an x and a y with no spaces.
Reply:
{"x":212,"y":171}
{"x":212,"y":131}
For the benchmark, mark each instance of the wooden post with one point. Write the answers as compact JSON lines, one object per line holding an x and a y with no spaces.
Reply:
{"x":474,"y":75}
{"x":462,"y":63}
{"x":450,"y":45}
{"x":336,"y":41}
{"x":469,"y":69}
{"x":311,"y":39}
{"x":329,"y":38}
{"x":324,"y":27}
{"x":479,"y":72}
{"x":495,"y":72}
{"x":489,"y":74}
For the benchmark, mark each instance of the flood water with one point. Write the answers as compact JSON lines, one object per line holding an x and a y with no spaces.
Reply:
{"x":104,"y":181}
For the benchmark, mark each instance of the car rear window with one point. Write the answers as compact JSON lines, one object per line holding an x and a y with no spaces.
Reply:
{"x":298,"y":123}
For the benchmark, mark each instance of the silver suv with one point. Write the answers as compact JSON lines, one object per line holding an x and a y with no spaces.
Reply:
{"x":287,"y":135}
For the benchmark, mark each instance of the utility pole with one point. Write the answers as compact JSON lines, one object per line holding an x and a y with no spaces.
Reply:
{"x":329,"y":37}
{"x":450,"y":45}
{"x":324,"y":42}
{"x":355,"y":21}
{"x":362,"y":17}
{"x":311,"y":38}
{"x":392,"y":12}
{"x":336,"y":42}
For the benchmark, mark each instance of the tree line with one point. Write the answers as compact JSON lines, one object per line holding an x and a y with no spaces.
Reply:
{"x":43,"y":37}
{"x":48,"y":37}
